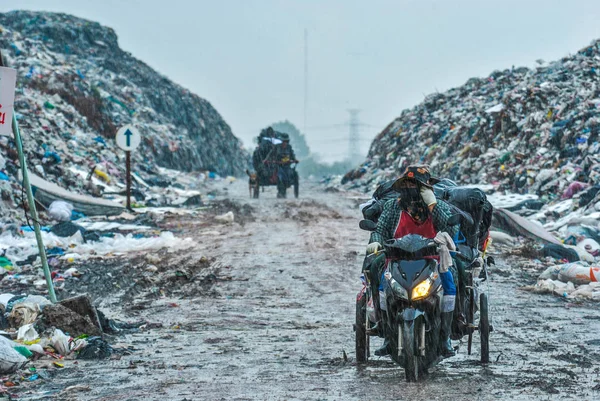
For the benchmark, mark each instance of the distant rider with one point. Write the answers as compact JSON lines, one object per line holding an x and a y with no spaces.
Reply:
{"x":284,"y":156}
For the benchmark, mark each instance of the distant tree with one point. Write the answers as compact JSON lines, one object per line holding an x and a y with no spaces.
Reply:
{"x":297,"y":139}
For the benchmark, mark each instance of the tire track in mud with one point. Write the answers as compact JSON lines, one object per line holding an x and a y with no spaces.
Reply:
{"x":278,"y":328}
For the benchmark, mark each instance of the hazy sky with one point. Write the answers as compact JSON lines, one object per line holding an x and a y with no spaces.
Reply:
{"x":246,"y":56}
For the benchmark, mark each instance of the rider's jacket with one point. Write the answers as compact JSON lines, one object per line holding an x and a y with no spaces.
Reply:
{"x":395,"y":223}
{"x":286,"y":154}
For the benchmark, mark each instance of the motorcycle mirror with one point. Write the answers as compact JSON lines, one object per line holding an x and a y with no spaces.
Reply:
{"x":367,"y":225}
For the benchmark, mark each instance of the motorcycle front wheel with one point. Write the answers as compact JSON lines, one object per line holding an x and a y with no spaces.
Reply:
{"x":296,"y":186}
{"x":412,"y":362}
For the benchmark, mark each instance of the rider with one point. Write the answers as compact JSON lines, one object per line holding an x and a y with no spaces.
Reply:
{"x":264,"y":152}
{"x":284,"y":156}
{"x":415,"y":211}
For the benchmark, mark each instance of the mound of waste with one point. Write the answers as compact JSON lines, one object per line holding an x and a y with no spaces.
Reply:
{"x":76,"y":87}
{"x":521,"y":130}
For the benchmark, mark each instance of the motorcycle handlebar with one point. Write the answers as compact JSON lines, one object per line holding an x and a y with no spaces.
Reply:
{"x":431,"y":244}
{"x":274,"y":162}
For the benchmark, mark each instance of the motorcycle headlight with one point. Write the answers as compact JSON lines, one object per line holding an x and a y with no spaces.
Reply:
{"x":421,"y":290}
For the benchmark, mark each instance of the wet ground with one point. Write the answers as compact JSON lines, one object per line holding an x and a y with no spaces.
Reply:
{"x":264,"y":311}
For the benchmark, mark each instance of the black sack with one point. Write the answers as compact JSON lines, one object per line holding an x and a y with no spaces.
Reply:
{"x":382,"y":194}
{"x":473,"y":201}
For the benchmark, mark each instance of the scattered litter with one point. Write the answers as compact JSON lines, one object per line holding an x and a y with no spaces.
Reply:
{"x":60,"y":211}
{"x":226,"y":218}
{"x":10,"y":359}
{"x":96,"y":348}
{"x":27,"y":333}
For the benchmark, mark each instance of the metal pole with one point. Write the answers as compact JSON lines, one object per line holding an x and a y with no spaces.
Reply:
{"x":305,"y":78}
{"x":33,"y":210}
{"x":31,"y":201}
{"x":128,"y":167}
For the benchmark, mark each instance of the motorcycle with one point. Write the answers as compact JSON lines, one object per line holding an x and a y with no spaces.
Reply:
{"x":269,"y":176}
{"x":413,"y":303}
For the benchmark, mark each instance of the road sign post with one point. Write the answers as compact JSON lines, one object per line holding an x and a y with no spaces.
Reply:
{"x":128,"y":168}
{"x":128,"y":139}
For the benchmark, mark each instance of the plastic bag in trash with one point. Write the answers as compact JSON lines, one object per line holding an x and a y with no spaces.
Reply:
{"x":10,"y":360}
{"x":60,"y":342}
{"x":27,"y":333}
{"x":578,"y":274}
{"x":96,"y":348}
{"x":23,"y":314}
{"x":226,"y":218}
{"x":60,"y":210}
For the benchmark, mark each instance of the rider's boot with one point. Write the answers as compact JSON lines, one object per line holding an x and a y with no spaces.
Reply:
{"x":377,"y":329}
{"x":446,"y":329}
{"x":386,"y":347}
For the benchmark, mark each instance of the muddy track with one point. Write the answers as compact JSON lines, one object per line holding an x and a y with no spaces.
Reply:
{"x":275,"y":322}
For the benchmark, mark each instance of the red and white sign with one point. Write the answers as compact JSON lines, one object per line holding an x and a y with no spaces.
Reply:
{"x":8,"y":81}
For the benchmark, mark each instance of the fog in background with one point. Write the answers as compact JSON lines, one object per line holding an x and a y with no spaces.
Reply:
{"x":247,"y":56}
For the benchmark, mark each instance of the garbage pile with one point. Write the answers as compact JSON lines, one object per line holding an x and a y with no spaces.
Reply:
{"x":75,"y":87}
{"x":521,"y":130}
{"x":529,"y":138}
{"x":578,"y":280}
{"x":39,"y":337}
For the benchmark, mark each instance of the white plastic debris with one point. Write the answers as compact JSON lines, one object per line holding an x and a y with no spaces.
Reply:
{"x":226,"y":218}
{"x":10,"y":360}
{"x":60,"y":342}
{"x":579,"y":274}
{"x":60,"y":210}
{"x":499,"y":237}
{"x":495,"y":109}
{"x":27,"y":333}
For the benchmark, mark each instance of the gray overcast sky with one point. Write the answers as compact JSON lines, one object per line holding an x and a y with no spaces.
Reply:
{"x":246,"y":56}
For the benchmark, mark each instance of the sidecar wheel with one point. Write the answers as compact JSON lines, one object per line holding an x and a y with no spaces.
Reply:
{"x":360,"y":328}
{"x":484,"y":328}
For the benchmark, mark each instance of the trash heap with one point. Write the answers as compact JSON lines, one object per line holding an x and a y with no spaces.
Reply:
{"x":529,"y":138}
{"x":39,"y":337}
{"x":521,"y":130}
{"x":76,"y":87}
{"x":559,"y":243}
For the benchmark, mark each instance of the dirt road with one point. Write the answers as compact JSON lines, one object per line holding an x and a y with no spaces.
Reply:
{"x":270,"y":318}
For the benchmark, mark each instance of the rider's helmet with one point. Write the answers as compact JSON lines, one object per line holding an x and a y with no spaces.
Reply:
{"x":408,"y":188}
{"x":284,"y":137}
{"x":418,"y":173}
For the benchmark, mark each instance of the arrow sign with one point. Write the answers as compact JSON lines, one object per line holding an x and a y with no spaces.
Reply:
{"x":128,"y":138}
{"x":128,"y":135}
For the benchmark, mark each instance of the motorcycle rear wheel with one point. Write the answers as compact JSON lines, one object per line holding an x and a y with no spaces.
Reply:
{"x":360,"y":329}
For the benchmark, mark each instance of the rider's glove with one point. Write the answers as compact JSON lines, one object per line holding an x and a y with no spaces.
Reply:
{"x":428,"y":196}
{"x":373,"y":247}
